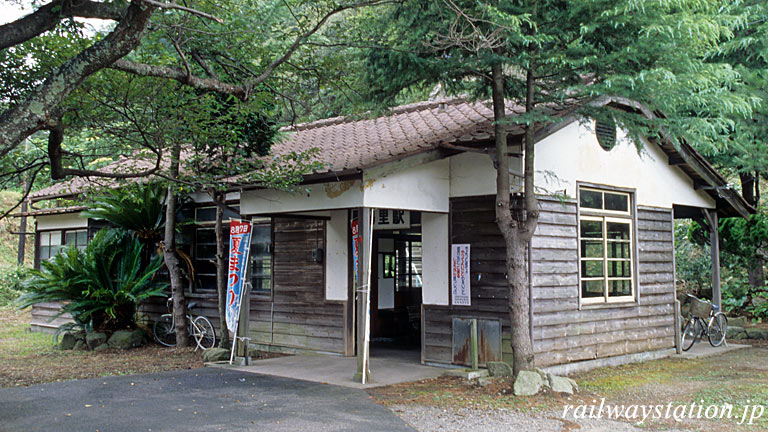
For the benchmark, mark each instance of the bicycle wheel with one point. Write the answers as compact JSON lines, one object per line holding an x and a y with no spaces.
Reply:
{"x":717,"y":329}
{"x":690,"y":333}
{"x":164,"y":332}
{"x":203,"y":332}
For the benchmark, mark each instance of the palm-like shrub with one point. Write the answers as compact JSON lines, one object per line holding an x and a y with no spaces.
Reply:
{"x":102,"y":286}
{"x":138,"y":208}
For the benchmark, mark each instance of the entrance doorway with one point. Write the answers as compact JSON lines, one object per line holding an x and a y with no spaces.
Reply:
{"x":396,"y":288}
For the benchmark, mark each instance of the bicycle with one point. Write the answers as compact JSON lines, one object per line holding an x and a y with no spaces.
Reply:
{"x":716,"y":324}
{"x":200,"y":328}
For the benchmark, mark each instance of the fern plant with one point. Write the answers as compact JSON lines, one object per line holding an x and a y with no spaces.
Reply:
{"x":102,"y":286}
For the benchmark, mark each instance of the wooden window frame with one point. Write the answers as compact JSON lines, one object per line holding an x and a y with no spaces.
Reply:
{"x":604,"y":217}
{"x":62,"y":241}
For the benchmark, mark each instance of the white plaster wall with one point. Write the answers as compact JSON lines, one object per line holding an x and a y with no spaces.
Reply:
{"x":473,"y":174}
{"x":434,"y":261}
{"x":336,"y":262}
{"x":422,"y":187}
{"x":322,"y":196}
{"x":573,"y":154}
{"x":61,"y":221}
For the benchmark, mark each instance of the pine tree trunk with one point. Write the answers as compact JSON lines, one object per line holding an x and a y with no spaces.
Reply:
{"x":514,"y":232}
{"x":172,"y":260}
{"x":221,"y":270}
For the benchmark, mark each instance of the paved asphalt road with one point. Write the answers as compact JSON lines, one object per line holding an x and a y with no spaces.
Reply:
{"x":208,"y":399}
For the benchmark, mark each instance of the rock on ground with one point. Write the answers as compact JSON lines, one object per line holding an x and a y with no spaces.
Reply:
{"x":125,"y":339}
{"x":215,"y":354}
{"x":67,"y":341}
{"x":95,"y":339}
{"x":527,"y":383}
{"x":499,"y":369}
{"x":562,"y":384}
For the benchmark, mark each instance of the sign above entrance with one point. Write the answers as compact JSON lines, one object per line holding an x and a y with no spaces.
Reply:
{"x":392,"y":219}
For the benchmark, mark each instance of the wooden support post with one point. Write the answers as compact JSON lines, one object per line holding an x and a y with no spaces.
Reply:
{"x":242,"y":326}
{"x":363,"y":373}
{"x":473,"y":343}
{"x":714,"y":242}
{"x":678,"y":329}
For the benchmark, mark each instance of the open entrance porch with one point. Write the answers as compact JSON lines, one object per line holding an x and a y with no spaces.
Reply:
{"x":387,"y":367}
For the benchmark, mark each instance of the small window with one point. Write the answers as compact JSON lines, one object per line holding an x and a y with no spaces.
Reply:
{"x":605,"y":246}
{"x":76,"y":238}
{"x":208,"y":214}
{"x":260,"y":255}
{"x":605,"y":130}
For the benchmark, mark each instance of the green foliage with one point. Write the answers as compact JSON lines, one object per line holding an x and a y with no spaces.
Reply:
{"x":11,"y":279}
{"x":101,"y":286}
{"x":741,"y":240}
{"x":138,"y":208}
{"x":692,"y":262}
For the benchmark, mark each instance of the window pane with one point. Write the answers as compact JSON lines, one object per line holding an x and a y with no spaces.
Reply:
{"x":261,"y":234}
{"x":592,"y":288}
{"x":591,"y":199}
{"x":82,"y":238}
{"x":205,"y":214}
{"x":45,"y":252}
{"x":619,"y":269}
{"x":591,"y":229}
{"x":592,"y":269}
{"x":206,"y":236}
{"x":618,"y":249}
{"x":70,"y":238}
{"x":591,"y":249}
{"x":205,"y":251}
{"x":260,"y":284}
{"x":617,"y":288}
{"x":55,"y":238}
{"x":618,"y":230}
{"x":45,"y":238}
{"x":616,"y":202}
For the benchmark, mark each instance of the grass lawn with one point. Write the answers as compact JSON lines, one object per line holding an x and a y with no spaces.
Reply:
{"x":738,"y":378}
{"x":28,"y":358}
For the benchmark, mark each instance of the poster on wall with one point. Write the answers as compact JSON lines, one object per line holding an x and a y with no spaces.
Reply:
{"x":239,"y":246}
{"x":460,"y":291}
{"x":356,"y":243}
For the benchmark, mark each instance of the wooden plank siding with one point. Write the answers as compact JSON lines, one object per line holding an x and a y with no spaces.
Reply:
{"x":562,"y":332}
{"x":297,"y":314}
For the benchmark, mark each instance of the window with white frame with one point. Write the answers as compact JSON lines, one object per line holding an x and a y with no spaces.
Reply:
{"x":606,"y":267}
{"x":53,"y":242}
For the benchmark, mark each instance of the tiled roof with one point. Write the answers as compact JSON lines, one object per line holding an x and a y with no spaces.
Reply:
{"x":77,"y":185}
{"x":346,"y":144}
{"x":51,"y":211}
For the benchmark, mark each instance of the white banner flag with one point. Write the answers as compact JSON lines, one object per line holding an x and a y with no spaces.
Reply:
{"x":460,"y":292}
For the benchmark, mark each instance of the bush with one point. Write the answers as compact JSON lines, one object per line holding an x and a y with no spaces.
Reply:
{"x":10,"y":283}
{"x":101,"y":286}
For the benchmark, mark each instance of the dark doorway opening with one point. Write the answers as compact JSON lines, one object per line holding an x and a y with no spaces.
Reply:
{"x":396,"y":289}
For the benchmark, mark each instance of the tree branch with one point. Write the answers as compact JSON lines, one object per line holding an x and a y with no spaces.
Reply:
{"x":59,"y":172}
{"x":27,"y":190}
{"x":39,"y":107}
{"x":180,"y":76}
{"x":163,"y":5}
{"x":48,"y":16}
